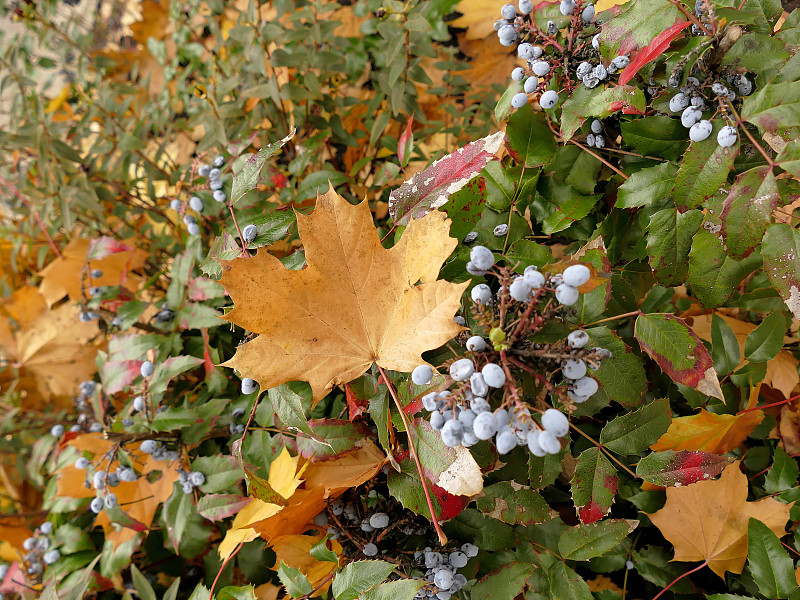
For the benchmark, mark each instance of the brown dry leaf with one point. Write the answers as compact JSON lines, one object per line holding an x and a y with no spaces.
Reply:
{"x":708,"y":520}
{"x":347,"y":471}
{"x":781,"y":370}
{"x":62,"y":277}
{"x":478,"y":17}
{"x":295,"y":551}
{"x":789,"y":427}
{"x":267,"y":591}
{"x":601,"y":582}
{"x":708,"y":432}
{"x":140,"y":499}
{"x":356,"y":303}
{"x":51,"y":349}
{"x":490,"y":62}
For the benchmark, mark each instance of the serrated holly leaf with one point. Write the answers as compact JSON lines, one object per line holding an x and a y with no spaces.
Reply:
{"x":431,"y":188}
{"x":594,"y":485}
{"x":585,"y":103}
{"x":359,"y":577}
{"x":669,"y":240}
{"x":509,"y":581}
{"x":678,"y":351}
{"x":651,"y":184}
{"x":747,"y":211}
{"x":724,"y":347}
{"x":216,"y":507}
{"x":633,"y":432}
{"x":783,"y":474}
{"x":528,"y":138}
{"x":294,"y":581}
{"x":354,"y":304}
{"x":568,"y":212}
{"x":402,"y":589}
{"x":622,"y":377}
{"x":781,"y":253}
{"x":708,"y":520}
{"x":652,"y":51}
{"x":766,"y":340}
{"x":514,"y":504}
{"x":769,"y":563}
{"x":637,"y":27}
{"x":586,"y":541}
{"x":658,"y":135}
{"x":676,"y":468}
{"x":249,"y":175}
{"x":773,"y":106}
{"x":703,"y":170}
{"x":709,"y":432}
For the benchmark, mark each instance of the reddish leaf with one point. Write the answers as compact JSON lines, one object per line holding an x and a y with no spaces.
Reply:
{"x":594,"y":485}
{"x":652,"y":51}
{"x":340,"y":435}
{"x":355,"y":404}
{"x":431,"y":188}
{"x":671,"y":468}
{"x":678,"y":351}
{"x":216,"y":507}
{"x":105,"y":246}
{"x":406,"y":143}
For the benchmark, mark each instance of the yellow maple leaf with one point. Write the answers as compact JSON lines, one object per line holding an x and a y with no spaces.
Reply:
{"x":708,"y":432}
{"x":295,"y":551}
{"x":707,"y":520}
{"x":356,"y":303}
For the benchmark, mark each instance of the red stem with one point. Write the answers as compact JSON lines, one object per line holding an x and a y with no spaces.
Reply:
{"x":34,"y":212}
{"x":222,"y":568}
{"x":407,"y":424}
{"x":677,"y":579}
{"x":746,"y":410}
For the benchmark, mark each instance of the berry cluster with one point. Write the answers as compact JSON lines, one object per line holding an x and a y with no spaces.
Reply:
{"x":214,"y":175}
{"x":441,"y":576}
{"x":190,"y":480}
{"x":39,"y":551}
{"x":464,"y":414}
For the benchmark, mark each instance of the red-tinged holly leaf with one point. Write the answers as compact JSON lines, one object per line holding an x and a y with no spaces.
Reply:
{"x":203,"y":288}
{"x":356,"y":406}
{"x":246,"y":178}
{"x":341,"y":436}
{"x":216,"y":507}
{"x":780,"y":250}
{"x":594,"y":485}
{"x":261,"y":489}
{"x":405,"y":145}
{"x":118,"y":375}
{"x":386,"y":173}
{"x":432,"y":188}
{"x":678,"y":351}
{"x":120,"y":517}
{"x":453,"y":475}
{"x":676,"y":468}
{"x":105,"y":246}
{"x":652,"y":51}
{"x":747,"y":211}
{"x":585,"y":103}
{"x":774,"y":106}
{"x":637,"y":26}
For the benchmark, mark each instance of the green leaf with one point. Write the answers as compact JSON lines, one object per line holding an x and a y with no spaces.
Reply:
{"x":681,"y":467}
{"x":216,"y":507}
{"x":513,"y":504}
{"x":568,"y":212}
{"x":504,"y":108}
{"x":633,"y":432}
{"x":221,"y":472}
{"x":402,"y":589}
{"x":669,"y":239}
{"x":653,"y":563}
{"x":781,"y":254}
{"x":359,"y":577}
{"x":177,"y":511}
{"x":173,"y":418}
{"x":713,"y":275}
{"x":506,"y":583}
{"x":236,"y":592}
{"x":584,"y":103}
{"x":249,"y":175}
{"x":528,"y":138}
{"x":658,"y":135}
{"x":594,"y":485}
{"x":261,"y":489}
{"x":647,"y":186}
{"x":171,"y":367}
{"x":636,"y":27}
{"x":563,"y":582}
{"x":583,"y":542}
{"x":85,"y":577}
{"x":773,"y":106}
{"x":747,"y":211}
{"x":678,"y":351}
{"x":294,"y":581}
{"x":289,"y":408}
{"x":783,"y":474}
{"x":622,"y":377}
{"x":488,"y":534}
{"x":143,"y":587}
{"x":321,"y":552}
{"x":769,"y":563}
{"x":766,"y":340}
{"x":703,"y":170}
{"x":724,"y":347}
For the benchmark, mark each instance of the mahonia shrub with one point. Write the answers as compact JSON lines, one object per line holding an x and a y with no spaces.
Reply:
{"x":294,"y":309}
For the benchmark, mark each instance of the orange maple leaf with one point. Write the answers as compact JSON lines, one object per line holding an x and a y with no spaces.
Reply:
{"x":708,"y":432}
{"x":356,"y":303}
{"x":708,"y":520}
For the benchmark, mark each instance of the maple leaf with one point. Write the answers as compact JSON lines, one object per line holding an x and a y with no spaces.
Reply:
{"x":708,"y":520}
{"x":295,"y":551}
{"x":708,"y":432}
{"x":356,"y":303}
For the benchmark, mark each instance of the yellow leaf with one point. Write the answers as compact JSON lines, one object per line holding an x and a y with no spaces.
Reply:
{"x":602,"y":5}
{"x":295,"y":551}
{"x":59,"y":100}
{"x":257,"y":510}
{"x":234,"y":537}
{"x":356,"y":303}
{"x":707,"y":520}
{"x":282,"y":474}
{"x":708,"y":432}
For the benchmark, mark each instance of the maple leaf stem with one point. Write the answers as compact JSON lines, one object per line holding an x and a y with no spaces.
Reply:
{"x":677,"y":579}
{"x":747,"y":410}
{"x":407,"y":424}
{"x":692,"y":18}
{"x":222,"y":568}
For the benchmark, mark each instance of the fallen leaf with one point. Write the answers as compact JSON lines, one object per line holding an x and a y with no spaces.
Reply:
{"x":781,"y":371}
{"x":707,"y":520}
{"x":709,"y":432}
{"x":356,"y":303}
{"x":295,"y":551}
{"x":601,"y":582}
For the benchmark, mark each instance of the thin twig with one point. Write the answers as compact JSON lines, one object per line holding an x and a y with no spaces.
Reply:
{"x":34,"y":212}
{"x":221,"y":569}
{"x":615,"y":317}
{"x":407,"y":424}
{"x":677,"y":579}
{"x":740,"y":123}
